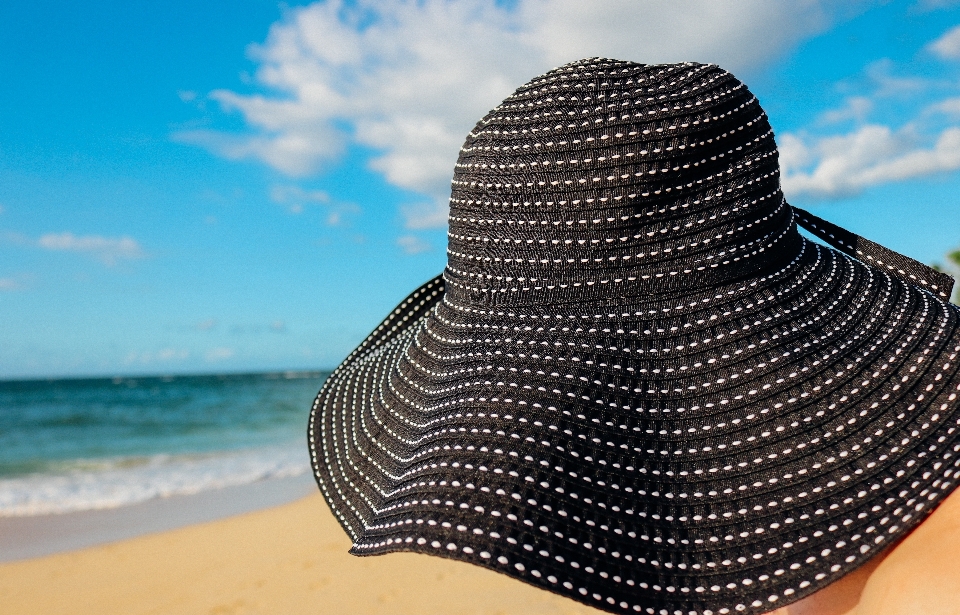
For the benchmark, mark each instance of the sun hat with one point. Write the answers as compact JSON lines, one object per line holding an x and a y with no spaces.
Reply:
{"x":636,"y":383}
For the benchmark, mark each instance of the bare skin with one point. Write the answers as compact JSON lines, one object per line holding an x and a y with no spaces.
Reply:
{"x":918,"y":576}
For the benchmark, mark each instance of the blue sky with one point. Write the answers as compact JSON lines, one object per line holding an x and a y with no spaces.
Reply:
{"x":196,"y":188}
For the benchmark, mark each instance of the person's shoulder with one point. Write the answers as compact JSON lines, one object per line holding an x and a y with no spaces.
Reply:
{"x":922,"y":574}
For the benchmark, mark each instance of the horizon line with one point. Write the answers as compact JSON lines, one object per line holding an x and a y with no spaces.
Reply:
{"x":288,"y":374}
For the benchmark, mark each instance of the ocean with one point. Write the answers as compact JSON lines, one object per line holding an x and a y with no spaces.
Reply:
{"x":86,"y":444}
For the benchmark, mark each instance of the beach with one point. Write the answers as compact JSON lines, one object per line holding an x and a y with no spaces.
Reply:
{"x":286,"y":559}
{"x":165,"y":495}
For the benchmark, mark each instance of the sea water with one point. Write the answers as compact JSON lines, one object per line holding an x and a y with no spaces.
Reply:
{"x":84,"y":444}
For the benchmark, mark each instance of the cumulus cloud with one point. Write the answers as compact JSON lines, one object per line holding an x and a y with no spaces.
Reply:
{"x":948,"y":45}
{"x":843,"y":165}
{"x":947,"y":106}
{"x":207,"y":325}
{"x":932,"y":5}
{"x":165,"y":355}
{"x":8,"y":284}
{"x":108,"y":250}
{"x":170,"y":354}
{"x":424,"y":215}
{"x":218,"y":354}
{"x":411,"y":244}
{"x":408,"y":79}
{"x":295,"y":198}
{"x":855,"y":108}
{"x":926,"y":142}
{"x":884,"y":80}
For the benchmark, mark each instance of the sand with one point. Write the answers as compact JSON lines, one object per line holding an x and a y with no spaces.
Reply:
{"x":286,"y":560}
{"x":35,"y":536}
{"x":293,"y":559}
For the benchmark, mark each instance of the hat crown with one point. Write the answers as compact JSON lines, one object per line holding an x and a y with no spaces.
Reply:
{"x":605,"y":179}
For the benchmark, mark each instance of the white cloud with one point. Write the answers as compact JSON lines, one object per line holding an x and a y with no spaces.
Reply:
{"x":411,"y":244}
{"x":8,"y":284}
{"x":932,"y":5}
{"x":108,"y":250}
{"x":207,"y":325}
{"x":428,"y":214}
{"x":843,"y":165}
{"x":948,"y":45}
{"x":409,"y":78}
{"x":854,"y":108}
{"x":165,"y":355}
{"x":218,"y":354}
{"x":886,"y":83}
{"x":169,"y":354}
{"x":295,"y":198}
{"x":947,"y":106}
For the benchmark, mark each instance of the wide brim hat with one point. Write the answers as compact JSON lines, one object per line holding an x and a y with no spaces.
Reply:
{"x":636,"y":383}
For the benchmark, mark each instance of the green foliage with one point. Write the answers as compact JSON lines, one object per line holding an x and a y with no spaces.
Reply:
{"x":952,"y":268}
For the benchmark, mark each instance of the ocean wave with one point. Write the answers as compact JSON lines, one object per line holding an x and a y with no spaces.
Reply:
{"x":110,"y":483}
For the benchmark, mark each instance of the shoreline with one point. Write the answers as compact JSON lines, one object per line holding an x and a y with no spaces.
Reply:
{"x":287,"y":560}
{"x":40,"y":535}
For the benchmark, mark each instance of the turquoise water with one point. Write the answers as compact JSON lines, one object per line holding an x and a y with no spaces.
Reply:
{"x":70,"y":445}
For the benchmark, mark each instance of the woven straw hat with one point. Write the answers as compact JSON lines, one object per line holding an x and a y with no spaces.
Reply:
{"x":636,"y":384}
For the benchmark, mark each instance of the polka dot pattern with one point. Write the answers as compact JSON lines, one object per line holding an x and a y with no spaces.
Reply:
{"x":636,"y":384}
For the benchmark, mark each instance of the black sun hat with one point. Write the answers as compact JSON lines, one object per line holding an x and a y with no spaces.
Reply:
{"x":636,"y":384}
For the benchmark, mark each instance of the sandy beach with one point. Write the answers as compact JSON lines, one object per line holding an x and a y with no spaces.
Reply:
{"x":287,"y":560}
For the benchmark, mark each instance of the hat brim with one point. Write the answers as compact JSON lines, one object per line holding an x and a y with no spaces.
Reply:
{"x":733,"y":452}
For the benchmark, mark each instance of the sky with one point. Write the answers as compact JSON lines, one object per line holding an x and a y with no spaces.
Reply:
{"x":220,"y":187}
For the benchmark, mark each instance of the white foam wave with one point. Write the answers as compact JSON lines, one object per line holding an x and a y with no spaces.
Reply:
{"x":118,"y":482}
